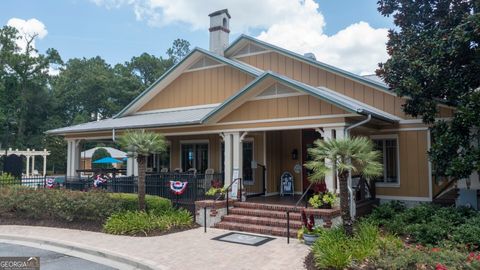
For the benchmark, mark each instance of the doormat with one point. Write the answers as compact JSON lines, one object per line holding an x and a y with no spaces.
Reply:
{"x":244,"y":239}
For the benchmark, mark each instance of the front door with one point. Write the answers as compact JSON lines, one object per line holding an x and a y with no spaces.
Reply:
{"x":308,"y":137}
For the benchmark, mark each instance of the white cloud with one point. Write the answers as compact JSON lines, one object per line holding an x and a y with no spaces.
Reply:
{"x":293,"y":24}
{"x":28,"y":29}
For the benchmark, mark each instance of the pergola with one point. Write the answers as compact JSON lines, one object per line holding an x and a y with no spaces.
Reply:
{"x":29,"y":154}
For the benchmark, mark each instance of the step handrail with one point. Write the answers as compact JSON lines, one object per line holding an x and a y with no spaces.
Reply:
{"x":295,"y":209}
{"x":228,"y":188}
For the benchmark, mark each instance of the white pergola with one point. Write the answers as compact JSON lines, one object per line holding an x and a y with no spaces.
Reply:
{"x":29,"y":154}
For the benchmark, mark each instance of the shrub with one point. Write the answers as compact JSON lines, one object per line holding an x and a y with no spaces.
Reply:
{"x":136,"y":222}
{"x":365,"y":242}
{"x":129,"y":202}
{"x":383,"y":213}
{"x":56,"y":204}
{"x":332,"y":250}
{"x":7,"y":179}
{"x":468,"y":233}
{"x":130,"y":223}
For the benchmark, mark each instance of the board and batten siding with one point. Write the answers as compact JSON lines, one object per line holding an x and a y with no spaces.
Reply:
{"x":285,"y":107}
{"x":414,"y":178}
{"x":316,"y":76}
{"x":205,"y":86}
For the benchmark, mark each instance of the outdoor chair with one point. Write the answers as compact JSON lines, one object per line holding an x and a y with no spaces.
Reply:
{"x":192,"y":171}
{"x":164,"y":170}
{"x":177,"y":170}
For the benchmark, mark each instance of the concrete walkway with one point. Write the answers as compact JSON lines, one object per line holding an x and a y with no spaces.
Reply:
{"x":192,"y":249}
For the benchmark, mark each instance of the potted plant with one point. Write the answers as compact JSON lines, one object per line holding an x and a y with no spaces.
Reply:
{"x":216,"y":191}
{"x":309,"y":231}
{"x":323,"y":200}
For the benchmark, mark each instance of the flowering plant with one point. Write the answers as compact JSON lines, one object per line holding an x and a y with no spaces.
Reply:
{"x":323,"y":200}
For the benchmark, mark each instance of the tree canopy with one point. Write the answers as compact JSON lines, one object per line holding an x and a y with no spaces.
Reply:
{"x":435,"y":61}
{"x":34,"y":98}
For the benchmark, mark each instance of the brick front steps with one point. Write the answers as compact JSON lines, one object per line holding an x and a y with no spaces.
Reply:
{"x":262,"y":218}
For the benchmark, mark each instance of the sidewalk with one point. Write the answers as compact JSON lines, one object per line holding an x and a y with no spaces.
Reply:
{"x":192,"y":249}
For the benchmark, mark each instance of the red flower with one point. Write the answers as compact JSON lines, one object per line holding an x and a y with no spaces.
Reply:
{"x":440,"y":266}
{"x":435,"y":249}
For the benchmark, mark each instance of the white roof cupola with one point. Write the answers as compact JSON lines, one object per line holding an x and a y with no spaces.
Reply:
{"x":219,"y":31}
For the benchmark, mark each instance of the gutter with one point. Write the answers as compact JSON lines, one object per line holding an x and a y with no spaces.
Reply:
{"x":353,"y":206}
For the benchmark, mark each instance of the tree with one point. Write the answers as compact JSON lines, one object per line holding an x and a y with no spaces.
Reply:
{"x":179,"y":50}
{"x":356,"y":155}
{"x":141,"y":144}
{"x":99,"y":154}
{"x":434,"y":60}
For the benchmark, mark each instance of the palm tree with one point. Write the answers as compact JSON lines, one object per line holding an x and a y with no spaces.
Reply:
{"x":141,"y":144}
{"x":356,"y":155}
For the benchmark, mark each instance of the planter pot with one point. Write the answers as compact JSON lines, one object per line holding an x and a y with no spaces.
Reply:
{"x":309,"y":238}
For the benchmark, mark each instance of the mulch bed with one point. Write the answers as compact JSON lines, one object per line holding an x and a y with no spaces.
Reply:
{"x":7,"y":219}
{"x":309,"y":262}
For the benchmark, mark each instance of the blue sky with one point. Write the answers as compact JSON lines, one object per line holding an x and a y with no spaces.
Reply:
{"x":112,"y":29}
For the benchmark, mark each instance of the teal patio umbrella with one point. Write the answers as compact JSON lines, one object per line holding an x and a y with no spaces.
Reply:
{"x":107,"y":160}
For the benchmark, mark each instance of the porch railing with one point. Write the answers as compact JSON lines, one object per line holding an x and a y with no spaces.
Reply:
{"x":155,"y":184}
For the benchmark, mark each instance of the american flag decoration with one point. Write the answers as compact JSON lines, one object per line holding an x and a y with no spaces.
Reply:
{"x":178,"y":187}
{"x":50,"y":182}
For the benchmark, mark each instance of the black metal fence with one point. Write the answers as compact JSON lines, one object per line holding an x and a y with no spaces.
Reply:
{"x":155,"y":184}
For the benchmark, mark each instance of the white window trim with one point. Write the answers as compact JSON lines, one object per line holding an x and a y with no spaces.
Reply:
{"x":182,"y":142}
{"x":252,"y":140}
{"x":389,"y":136}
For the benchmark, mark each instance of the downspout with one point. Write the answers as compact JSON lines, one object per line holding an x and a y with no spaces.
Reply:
{"x":353,"y":207}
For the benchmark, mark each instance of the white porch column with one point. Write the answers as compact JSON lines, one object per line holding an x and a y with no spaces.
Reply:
{"x":132,"y":166}
{"x":227,"y":140}
{"x":329,"y":179}
{"x":27,"y":171}
{"x":73,"y":157}
{"x":339,"y":134}
{"x":33,"y":164}
{"x":44,"y":165}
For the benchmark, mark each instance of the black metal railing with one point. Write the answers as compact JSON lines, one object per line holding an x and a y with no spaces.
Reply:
{"x":295,"y":209}
{"x":155,"y":184}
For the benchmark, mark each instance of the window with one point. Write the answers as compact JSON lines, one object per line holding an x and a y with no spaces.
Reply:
{"x":156,"y":162}
{"x":247,"y":160}
{"x":388,"y":147}
{"x":195,"y":155}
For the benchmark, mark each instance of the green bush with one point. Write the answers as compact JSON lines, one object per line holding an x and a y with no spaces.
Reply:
{"x":428,"y":223}
{"x":130,"y":223}
{"x":334,"y":249}
{"x":57,"y":204}
{"x":468,"y":233}
{"x":129,"y":202}
{"x":7,"y":179}
{"x":134,"y":223}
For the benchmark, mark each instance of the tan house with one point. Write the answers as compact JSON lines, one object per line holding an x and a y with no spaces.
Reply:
{"x":248,"y":104}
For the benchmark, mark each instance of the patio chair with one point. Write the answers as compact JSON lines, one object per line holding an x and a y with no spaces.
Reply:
{"x":164,"y":170}
{"x":177,"y":170}
{"x":192,"y":171}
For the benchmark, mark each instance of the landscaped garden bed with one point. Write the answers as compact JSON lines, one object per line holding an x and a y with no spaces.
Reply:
{"x":395,"y":237}
{"x":95,"y":210}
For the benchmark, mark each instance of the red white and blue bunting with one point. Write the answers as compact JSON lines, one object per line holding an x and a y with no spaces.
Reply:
{"x":50,"y":183}
{"x":178,"y":187}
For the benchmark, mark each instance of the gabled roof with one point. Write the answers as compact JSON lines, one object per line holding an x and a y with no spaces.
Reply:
{"x":243,"y":39}
{"x":182,"y":65}
{"x":335,"y":98}
{"x":144,"y":120}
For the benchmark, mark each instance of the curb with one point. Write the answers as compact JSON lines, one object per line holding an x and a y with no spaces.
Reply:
{"x":124,"y":259}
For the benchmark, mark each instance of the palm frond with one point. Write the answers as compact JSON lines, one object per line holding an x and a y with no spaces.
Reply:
{"x":142,"y":142}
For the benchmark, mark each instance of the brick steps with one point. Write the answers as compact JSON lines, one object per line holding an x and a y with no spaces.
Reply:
{"x":261,"y":218}
{"x":264,"y":213}
{"x":264,"y":221}
{"x":269,"y":230}
{"x":272,"y":207}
